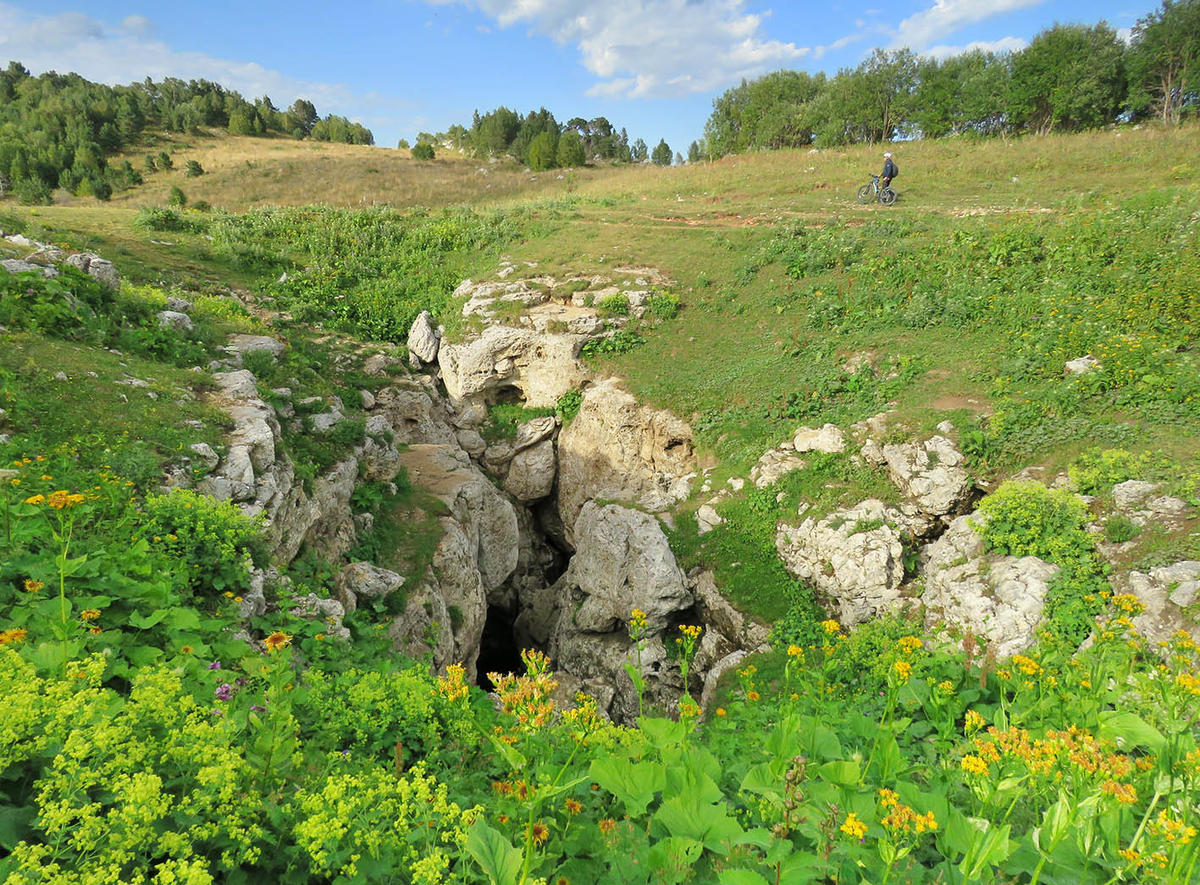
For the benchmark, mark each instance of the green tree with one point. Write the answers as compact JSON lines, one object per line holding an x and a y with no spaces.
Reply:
{"x":1070,"y":77}
{"x":694,"y":152}
{"x":402,"y":144}
{"x":303,"y":114}
{"x":662,"y":153}
{"x":165,"y":161}
{"x":422,"y":150}
{"x":241,"y":122}
{"x":571,"y":151}
{"x":177,"y":197}
{"x":639,"y":153}
{"x":193,"y":169}
{"x":763,"y":113}
{"x":543,"y":151}
{"x":1164,"y":62}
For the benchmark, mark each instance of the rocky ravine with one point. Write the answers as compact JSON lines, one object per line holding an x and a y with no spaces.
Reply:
{"x":551,"y":538}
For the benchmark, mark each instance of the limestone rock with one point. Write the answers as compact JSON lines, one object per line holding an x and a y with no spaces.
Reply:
{"x":774,"y":465}
{"x":243,"y":344}
{"x":531,"y":472}
{"x":1167,"y":592}
{"x":1129,"y":494}
{"x":173,"y":319}
{"x":708,"y":519}
{"x":471,"y":442}
{"x":1082,"y":366}
{"x":931,"y":476}
{"x":540,"y":367}
{"x":377,"y":365}
{"x":179,"y":305}
{"x":828,"y":438}
{"x":615,"y":443}
{"x":533,"y":432}
{"x":423,"y":340}
{"x":852,"y":557}
{"x":1000,"y":598}
{"x":414,"y":416}
{"x":98,"y":268}
{"x":363,"y":580}
{"x":208,"y":458}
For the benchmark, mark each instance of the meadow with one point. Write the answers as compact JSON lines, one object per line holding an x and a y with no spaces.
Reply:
{"x":143,"y":743}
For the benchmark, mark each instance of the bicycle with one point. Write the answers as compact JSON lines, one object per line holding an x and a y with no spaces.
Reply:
{"x":874,"y":191}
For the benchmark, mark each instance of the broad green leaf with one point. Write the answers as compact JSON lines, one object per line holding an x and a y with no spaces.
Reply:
{"x":1130,"y":730}
{"x":741,"y":877}
{"x":662,"y":733}
{"x":511,"y":754}
{"x":496,"y":856}
{"x":844,"y":774}
{"x":634,"y":783}
{"x":143,"y":622}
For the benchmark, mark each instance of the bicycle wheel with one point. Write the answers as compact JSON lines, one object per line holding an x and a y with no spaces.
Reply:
{"x":887,"y":196}
{"x":864,"y":194}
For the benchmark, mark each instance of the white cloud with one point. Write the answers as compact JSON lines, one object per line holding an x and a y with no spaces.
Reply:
{"x":127,"y":53}
{"x":947,"y":16}
{"x":1004,"y":44}
{"x":651,"y":48}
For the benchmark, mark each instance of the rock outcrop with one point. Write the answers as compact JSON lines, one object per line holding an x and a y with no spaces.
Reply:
{"x":1168,"y":592}
{"x":854,"y":558}
{"x":423,"y":340}
{"x":618,"y":448}
{"x":998,"y":598}
{"x":931,"y":477}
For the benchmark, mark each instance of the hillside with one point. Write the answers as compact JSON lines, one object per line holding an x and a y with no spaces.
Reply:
{"x":836,"y":541}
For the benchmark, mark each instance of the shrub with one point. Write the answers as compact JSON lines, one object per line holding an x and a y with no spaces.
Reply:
{"x":615,"y":303}
{"x":193,"y":169}
{"x":568,"y":404}
{"x":165,"y":161}
{"x":177,"y":197}
{"x":664,"y":305}
{"x":423,"y":151}
{"x":214,"y":540}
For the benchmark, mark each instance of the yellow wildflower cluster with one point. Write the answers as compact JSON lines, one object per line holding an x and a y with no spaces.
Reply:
{"x":690,"y":632}
{"x":910,"y":644}
{"x":974,"y":765}
{"x":1171,"y":829}
{"x":1128,"y":603}
{"x":830,"y":627}
{"x":452,"y":686}
{"x":795,"y":651}
{"x":637,"y":624}
{"x":902,"y":819}
{"x":1073,"y":755}
{"x":528,"y":697}
{"x":15,"y":635}
{"x":277,"y":641}
{"x":853,"y":827}
{"x":973,"y":721}
{"x":1028,"y":666}
{"x":1188,"y":683}
{"x":903,"y":671}
{"x":90,"y":614}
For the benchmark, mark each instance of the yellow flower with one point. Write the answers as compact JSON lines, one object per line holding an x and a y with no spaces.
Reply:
{"x":606,"y":825}
{"x":46,"y":477}
{"x":910,"y":644}
{"x":15,"y":635}
{"x":228,"y":593}
{"x":32,"y":586}
{"x":853,"y":827}
{"x":1128,"y":603}
{"x":752,"y":695}
{"x":35,"y":499}
{"x":831,"y":626}
{"x":903,"y":671}
{"x":973,"y":721}
{"x":1188,"y":683}
{"x":573,"y":806}
{"x":888,"y":798}
{"x":947,"y":687}
{"x":276,"y":641}
{"x":690,"y":632}
{"x":974,"y":765}
{"x":795,"y":651}
{"x":721,"y":711}
{"x":539,"y":833}
{"x":90,"y":614}
{"x":185,"y":649}
{"x":319,"y":637}
{"x":1028,"y":666}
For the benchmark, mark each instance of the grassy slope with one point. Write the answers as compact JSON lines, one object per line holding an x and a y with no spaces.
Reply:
{"x":745,"y":341}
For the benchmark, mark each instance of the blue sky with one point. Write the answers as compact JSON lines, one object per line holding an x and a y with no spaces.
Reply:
{"x":652,"y":66}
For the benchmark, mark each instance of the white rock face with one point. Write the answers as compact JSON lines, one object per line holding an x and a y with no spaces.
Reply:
{"x":1082,"y":365}
{"x":774,"y":465}
{"x":708,"y":519}
{"x":173,"y":319}
{"x":541,"y":366}
{"x":853,"y":557}
{"x":1128,"y":495}
{"x":616,"y":444}
{"x":931,"y":476}
{"x":242,"y":344}
{"x":828,"y":438}
{"x":423,"y":340}
{"x":623,"y":562}
{"x":531,"y":472}
{"x":1000,"y":598}
{"x":1166,"y":592}
{"x":96,"y":267}
{"x":363,"y":580}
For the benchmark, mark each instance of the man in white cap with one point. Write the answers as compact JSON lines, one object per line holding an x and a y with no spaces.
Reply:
{"x":890,"y":169}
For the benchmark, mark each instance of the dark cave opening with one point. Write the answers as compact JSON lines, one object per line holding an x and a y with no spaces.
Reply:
{"x":498,"y":652}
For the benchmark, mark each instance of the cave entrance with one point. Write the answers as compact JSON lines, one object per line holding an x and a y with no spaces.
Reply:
{"x":498,"y":652}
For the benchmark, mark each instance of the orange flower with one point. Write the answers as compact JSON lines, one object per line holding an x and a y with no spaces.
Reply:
{"x":16,"y":635}
{"x":607,"y":825}
{"x":277,"y":640}
{"x":539,"y":833}
{"x":574,"y":806}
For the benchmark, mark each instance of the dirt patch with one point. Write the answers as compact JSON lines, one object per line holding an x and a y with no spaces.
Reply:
{"x":955,"y":402}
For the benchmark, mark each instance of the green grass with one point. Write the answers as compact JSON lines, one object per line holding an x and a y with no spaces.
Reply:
{"x":95,"y":422}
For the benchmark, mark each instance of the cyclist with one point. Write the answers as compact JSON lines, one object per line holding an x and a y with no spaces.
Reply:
{"x":890,"y":169}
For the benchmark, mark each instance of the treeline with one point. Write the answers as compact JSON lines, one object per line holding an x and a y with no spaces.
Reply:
{"x":541,"y":142}
{"x":1069,"y":78}
{"x":59,"y":130}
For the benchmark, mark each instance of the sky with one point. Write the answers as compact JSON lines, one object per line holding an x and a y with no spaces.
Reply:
{"x":404,"y":66}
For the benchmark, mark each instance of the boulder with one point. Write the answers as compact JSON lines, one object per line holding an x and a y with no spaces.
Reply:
{"x":423,"y":340}
{"x":96,"y":267}
{"x":774,"y":465}
{"x":533,"y":432}
{"x":539,"y":367}
{"x":1083,"y":365}
{"x":1168,"y":592}
{"x":14,"y":266}
{"x":623,"y":562}
{"x":173,"y":319}
{"x":828,"y":438}
{"x":363,"y":580}
{"x":243,"y":344}
{"x":707,"y":519}
{"x":378,"y":364}
{"x":180,"y":305}
{"x":531,"y":472}
{"x":853,"y":557}
{"x":616,"y":444}
{"x":204,"y":452}
{"x":415,"y":416}
{"x":998,"y":598}
{"x":1130,"y":494}
{"x":931,"y":476}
